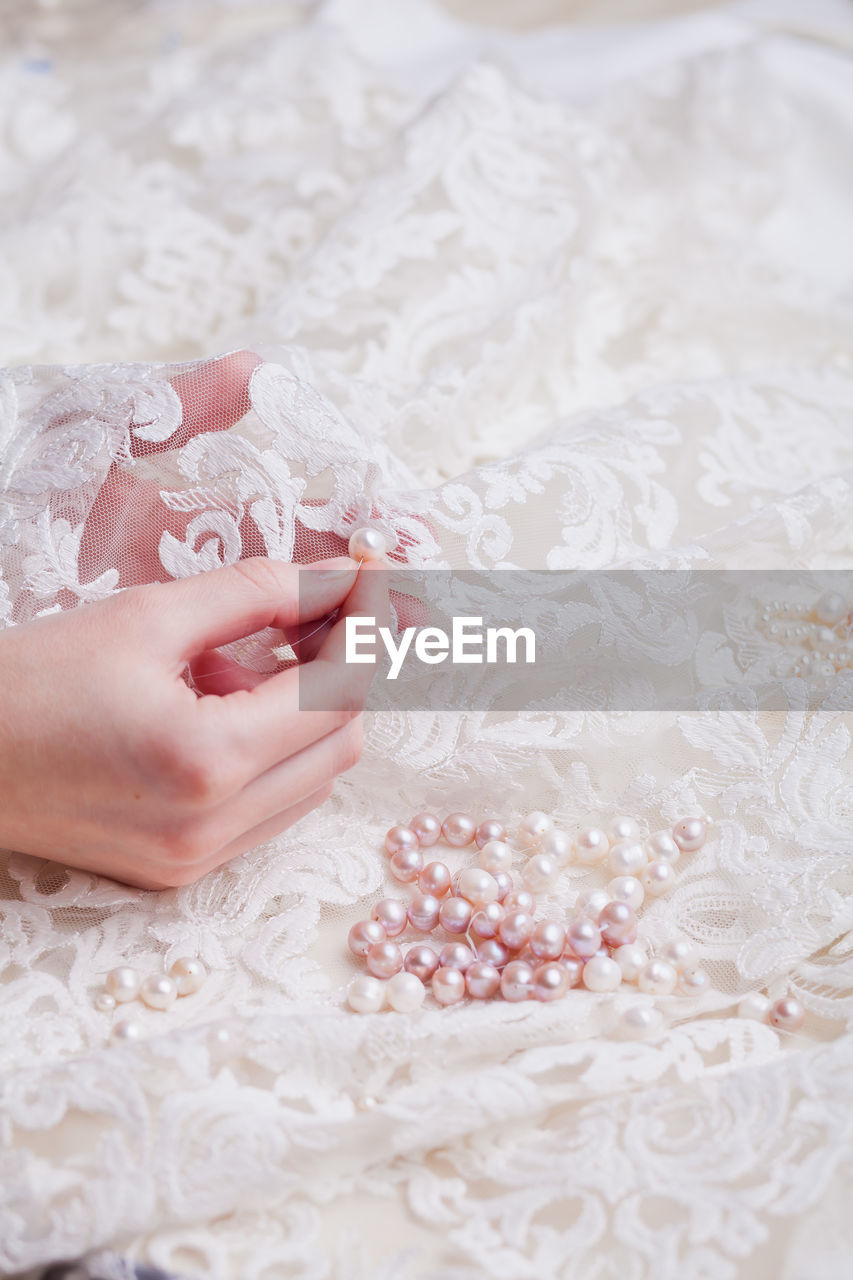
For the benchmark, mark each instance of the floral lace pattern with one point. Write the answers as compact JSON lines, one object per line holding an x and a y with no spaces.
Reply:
{"x":593,"y":319}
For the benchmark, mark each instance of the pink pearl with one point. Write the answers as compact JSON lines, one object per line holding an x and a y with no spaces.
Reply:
{"x":455,"y":915}
{"x":583,"y":936}
{"x":458,"y":829}
{"x":448,"y":986}
{"x":486,"y":920}
{"x":504,"y":882}
{"x":520,"y":900}
{"x":618,"y":924}
{"x":434,"y":879}
{"x":406,"y":865}
{"x":391,"y":914}
{"x":482,"y":980}
{"x":517,"y":981}
{"x":422,"y":961}
{"x":514,"y":930}
{"x":384,"y":959}
{"x":787,"y":1014}
{"x":427,"y":828}
{"x":689,"y":834}
{"x":547,"y":940}
{"x":400,"y":837}
{"x":573,"y":967}
{"x":423,"y":912}
{"x":456,"y":955}
{"x":488,"y":830}
{"x":550,"y":981}
{"x":490,"y":951}
{"x":363,"y":935}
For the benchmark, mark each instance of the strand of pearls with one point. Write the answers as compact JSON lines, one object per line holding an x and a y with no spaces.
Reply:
{"x":818,"y":640}
{"x":158,"y":991}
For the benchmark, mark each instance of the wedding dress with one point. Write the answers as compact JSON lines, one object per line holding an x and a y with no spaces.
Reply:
{"x":577,"y":297}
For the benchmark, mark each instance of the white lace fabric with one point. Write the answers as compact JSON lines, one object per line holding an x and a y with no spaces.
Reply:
{"x":581,"y":298}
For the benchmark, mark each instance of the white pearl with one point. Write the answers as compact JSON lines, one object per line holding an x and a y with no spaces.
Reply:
{"x":657,"y":978}
{"x":104,"y":1002}
{"x":123,"y":983}
{"x":601,"y":974}
{"x":657,"y":878}
{"x":158,"y":991}
{"x":693,"y":982}
{"x":679,"y":952}
{"x":831,"y":607}
{"x":689,"y":834}
{"x":495,"y":856}
{"x":189,"y":974}
{"x":367,"y":544}
{"x":365,"y":994}
{"x":662,"y":848}
{"x":404,"y":992}
{"x":755,"y":1006}
{"x":631,"y":959}
{"x":626,"y":889}
{"x":126,"y":1030}
{"x":557,"y":845}
{"x":787,"y":1014}
{"x":640,"y":1020}
{"x":533,"y":827}
{"x":591,"y":846}
{"x":540,"y":873}
{"x":477,"y":885}
{"x":623,"y":828}
{"x":626,"y":857}
{"x":591,"y":902}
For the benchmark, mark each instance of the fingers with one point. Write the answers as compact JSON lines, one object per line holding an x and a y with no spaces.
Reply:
{"x":214,"y":672}
{"x":214,"y":395}
{"x":274,"y":825}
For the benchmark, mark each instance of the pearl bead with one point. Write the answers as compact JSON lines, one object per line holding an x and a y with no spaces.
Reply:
{"x":482,"y":980}
{"x":422,"y":961}
{"x":520,"y":900}
{"x":492,"y":951}
{"x":550,"y":981}
{"x":640,"y":1020}
{"x":504,"y":882}
{"x":514,"y":930}
{"x":400,"y":838}
{"x":591,"y":846}
{"x":831,"y":607}
{"x":627,"y":889}
{"x":477,"y":885}
{"x":557,"y":845}
{"x":427,"y":828}
{"x":365,"y":994}
{"x":540,"y":873}
{"x":495,"y":855}
{"x":631,"y":959}
{"x":679,"y":952}
{"x":458,"y":829}
{"x":423,"y":912}
{"x":367,"y":544}
{"x":448,"y":986}
{"x":517,"y":981}
{"x":627,"y":857}
{"x":591,"y":902}
{"x":548,"y":940}
{"x":601,"y":974}
{"x":755,"y":1006}
{"x":158,"y":991}
{"x":787,"y":1014}
{"x":485,"y":922}
{"x":406,"y":865}
{"x":366,"y":1102}
{"x":657,"y":978}
{"x":657,"y":878}
{"x":104,"y":1002}
{"x":661,"y":847}
{"x":623,"y":828}
{"x":489,"y":830}
{"x":404,"y":992}
{"x":126,"y":1030}
{"x":533,"y":827}
{"x":455,"y":915}
{"x":384,"y":959}
{"x":391,"y":914}
{"x":618,"y":924}
{"x":189,"y":974}
{"x":583,"y":937}
{"x":434,"y":879}
{"x":456,"y":955}
{"x":573,"y":967}
{"x":693,"y":982}
{"x":123,"y":984}
{"x":689,"y":834}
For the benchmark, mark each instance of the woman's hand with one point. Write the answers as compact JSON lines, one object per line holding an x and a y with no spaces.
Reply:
{"x":110,"y":762}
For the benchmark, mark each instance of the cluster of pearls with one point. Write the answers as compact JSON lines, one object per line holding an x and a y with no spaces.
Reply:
{"x":158,"y":991}
{"x":786,"y":1014}
{"x":818,"y":640}
{"x":493,"y":945}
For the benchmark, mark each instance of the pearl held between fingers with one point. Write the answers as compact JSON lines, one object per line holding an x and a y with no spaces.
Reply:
{"x":367,"y":544}
{"x":591,"y":846}
{"x":427,"y":828}
{"x":448,"y":986}
{"x":787,"y":1014}
{"x":390,"y":913}
{"x":365,"y":994}
{"x":158,"y":991}
{"x":404,"y":992}
{"x":755,"y":1006}
{"x":458,"y":829}
{"x":126,"y":1030}
{"x":689,"y":834}
{"x":189,"y":973}
{"x":123,"y":984}
{"x":384,"y":959}
{"x":601,"y":974}
{"x":657,"y":978}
